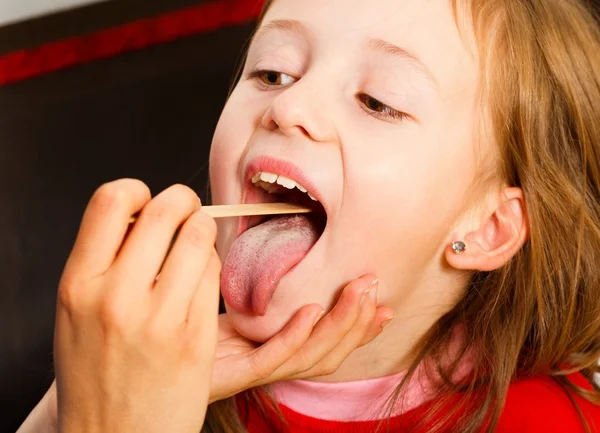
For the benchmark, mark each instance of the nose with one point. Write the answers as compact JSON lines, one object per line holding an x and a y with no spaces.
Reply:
{"x":301,"y":109}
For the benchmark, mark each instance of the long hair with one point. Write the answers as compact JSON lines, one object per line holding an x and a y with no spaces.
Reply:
{"x":540,"y":313}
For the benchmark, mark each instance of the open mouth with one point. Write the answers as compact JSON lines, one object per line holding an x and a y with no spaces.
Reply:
{"x":266,"y":187}
{"x":267,"y":248}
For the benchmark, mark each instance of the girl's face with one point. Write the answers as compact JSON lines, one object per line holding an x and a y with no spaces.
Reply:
{"x":371,"y":105}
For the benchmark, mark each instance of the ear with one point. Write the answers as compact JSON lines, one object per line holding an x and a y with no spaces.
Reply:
{"x":501,"y":232}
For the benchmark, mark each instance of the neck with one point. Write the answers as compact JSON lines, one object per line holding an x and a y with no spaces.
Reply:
{"x":393,"y":351}
{"x":390,"y":353}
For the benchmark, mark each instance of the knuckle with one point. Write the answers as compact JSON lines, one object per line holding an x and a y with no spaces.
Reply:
{"x":110,"y":196}
{"x":159,"y":210}
{"x":182,"y":193}
{"x":71,"y":292}
{"x":259,"y":368}
{"x":329,"y":367}
{"x":114,"y":314}
{"x":181,"y":197}
{"x":67,"y":295}
{"x":287,"y":345}
{"x":170,"y":204}
{"x":366,"y":319}
{"x":369,"y":337}
{"x":304,"y":364}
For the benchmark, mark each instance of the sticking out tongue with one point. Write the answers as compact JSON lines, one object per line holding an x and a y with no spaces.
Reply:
{"x":260,"y":257}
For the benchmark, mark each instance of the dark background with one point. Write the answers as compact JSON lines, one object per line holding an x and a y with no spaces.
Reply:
{"x":148,"y":114}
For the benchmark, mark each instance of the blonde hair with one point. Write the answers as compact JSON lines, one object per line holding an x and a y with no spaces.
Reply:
{"x":540,"y":313}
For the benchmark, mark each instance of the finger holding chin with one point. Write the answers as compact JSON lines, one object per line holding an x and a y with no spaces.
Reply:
{"x":312,"y":344}
{"x":369,"y":325}
{"x":332,"y":329}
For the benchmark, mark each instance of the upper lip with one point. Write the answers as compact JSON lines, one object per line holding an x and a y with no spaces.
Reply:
{"x":281,"y":167}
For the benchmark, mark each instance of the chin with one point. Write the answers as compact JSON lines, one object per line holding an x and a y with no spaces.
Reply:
{"x":259,"y":328}
{"x":289,"y":297}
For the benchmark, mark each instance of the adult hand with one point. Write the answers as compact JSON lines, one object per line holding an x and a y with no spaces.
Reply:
{"x":134,"y":352}
{"x":301,"y":350}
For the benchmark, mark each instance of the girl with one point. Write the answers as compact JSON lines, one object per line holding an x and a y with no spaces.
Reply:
{"x":452,"y":149}
{"x":455,"y":149}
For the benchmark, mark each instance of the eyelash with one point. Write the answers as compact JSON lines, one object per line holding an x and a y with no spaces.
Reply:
{"x":260,"y":74}
{"x":383,"y":111}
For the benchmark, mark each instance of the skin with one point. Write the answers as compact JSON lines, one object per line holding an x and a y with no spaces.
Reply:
{"x":406,"y":181}
{"x":138,"y":342}
{"x":149,"y":340}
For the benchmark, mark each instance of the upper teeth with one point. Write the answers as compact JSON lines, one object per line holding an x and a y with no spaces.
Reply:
{"x":269,"y":182}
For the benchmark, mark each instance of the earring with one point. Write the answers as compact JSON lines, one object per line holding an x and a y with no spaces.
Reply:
{"x":459,"y":247}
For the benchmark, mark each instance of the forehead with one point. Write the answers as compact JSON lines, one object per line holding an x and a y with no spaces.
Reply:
{"x":426,"y":28}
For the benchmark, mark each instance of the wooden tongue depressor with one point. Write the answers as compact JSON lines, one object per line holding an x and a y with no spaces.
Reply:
{"x":237,"y":210}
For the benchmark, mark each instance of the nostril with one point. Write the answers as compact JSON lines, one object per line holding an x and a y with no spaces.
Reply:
{"x":304,"y":131}
{"x":289,"y":121}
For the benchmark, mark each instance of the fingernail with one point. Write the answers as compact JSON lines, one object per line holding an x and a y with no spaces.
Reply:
{"x":386,"y":322}
{"x":371,"y":291}
{"x":318,"y":317}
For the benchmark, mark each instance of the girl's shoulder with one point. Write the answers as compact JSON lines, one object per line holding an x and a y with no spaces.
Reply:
{"x":540,"y":404}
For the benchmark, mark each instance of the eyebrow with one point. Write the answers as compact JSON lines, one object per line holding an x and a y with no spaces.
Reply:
{"x":380,"y":45}
{"x":292,"y":26}
{"x":393,"y":50}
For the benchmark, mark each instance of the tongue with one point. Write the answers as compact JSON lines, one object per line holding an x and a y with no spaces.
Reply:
{"x":260,"y":257}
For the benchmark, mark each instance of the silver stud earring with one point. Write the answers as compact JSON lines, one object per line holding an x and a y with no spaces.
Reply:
{"x":459,"y":247}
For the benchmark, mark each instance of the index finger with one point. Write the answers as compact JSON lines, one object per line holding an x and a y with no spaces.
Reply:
{"x":104,"y":226}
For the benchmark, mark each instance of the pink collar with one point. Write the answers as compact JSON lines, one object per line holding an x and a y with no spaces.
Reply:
{"x":366,"y":400}
{"x":362,"y":400}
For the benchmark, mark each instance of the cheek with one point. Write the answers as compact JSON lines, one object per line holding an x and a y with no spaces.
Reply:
{"x":237,"y":124}
{"x":408,"y":199}
{"x":229,"y":143}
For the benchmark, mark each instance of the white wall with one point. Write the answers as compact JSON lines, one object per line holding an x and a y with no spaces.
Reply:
{"x":17,"y":10}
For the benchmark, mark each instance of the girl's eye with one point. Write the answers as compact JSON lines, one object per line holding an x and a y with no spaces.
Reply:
{"x":272,"y":78}
{"x":379,"y":109}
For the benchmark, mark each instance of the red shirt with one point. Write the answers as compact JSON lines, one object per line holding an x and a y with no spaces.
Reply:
{"x":535,"y":405}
